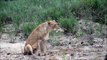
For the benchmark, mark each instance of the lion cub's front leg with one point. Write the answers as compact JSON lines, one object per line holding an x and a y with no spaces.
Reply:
{"x":44,"y":47}
{"x":41,"y":47}
{"x":44,"y":43}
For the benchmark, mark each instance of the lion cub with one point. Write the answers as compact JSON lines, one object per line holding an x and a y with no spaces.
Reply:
{"x":36,"y":40}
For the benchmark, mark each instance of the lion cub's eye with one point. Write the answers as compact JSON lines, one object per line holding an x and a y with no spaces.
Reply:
{"x":55,"y":25}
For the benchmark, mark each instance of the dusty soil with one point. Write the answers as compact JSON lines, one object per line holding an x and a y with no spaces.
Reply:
{"x":68,"y":48}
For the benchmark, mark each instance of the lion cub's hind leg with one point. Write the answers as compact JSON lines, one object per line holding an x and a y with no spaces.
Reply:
{"x":28,"y":50}
{"x":35,"y":47}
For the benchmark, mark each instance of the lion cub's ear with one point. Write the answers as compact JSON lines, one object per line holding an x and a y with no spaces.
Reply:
{"x":54,"y":20}
{"x":49,"y":23}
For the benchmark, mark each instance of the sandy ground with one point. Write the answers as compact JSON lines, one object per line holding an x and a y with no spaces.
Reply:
{"x":70,"y":48}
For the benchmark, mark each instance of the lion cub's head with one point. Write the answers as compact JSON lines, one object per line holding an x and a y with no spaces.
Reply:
{"x":53,"y":25}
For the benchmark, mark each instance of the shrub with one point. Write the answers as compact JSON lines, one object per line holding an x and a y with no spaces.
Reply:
{"x":79,"y":33}
{"x":68,"y":24}
{"x":54,"y":41}
{"x":28,"y":27}
{"x":97,"y":9}
{"x":1,"y":24}
{"x":54,"y":13}
{"x":1,"y":20}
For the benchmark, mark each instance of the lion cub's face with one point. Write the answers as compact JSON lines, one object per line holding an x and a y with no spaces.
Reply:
{"x":53,"y":25}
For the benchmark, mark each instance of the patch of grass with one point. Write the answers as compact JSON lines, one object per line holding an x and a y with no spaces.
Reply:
{"x":80,"y":33}
{"x":68,"y":24}
{"x":1,"y":21}
{"x":54,"y":41}
{"x":28,"y":27}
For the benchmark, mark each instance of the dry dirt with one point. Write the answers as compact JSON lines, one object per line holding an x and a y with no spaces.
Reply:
{"x":69,"y":48}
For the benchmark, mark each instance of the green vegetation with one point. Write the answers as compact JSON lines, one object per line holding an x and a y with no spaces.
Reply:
{"x":28,"y":27}
{"x":66,"y":12}
{"x":68,"y":24}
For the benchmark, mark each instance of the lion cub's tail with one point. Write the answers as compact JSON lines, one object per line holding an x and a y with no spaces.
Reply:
{"x":28,"y":50}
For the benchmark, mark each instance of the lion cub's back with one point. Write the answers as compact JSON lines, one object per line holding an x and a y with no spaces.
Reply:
{"x":32,"y":38}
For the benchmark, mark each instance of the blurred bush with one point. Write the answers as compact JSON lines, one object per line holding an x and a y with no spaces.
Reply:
{"x":97,"y":9}
{"x":64,"y":11}
{"x":28,"y":27}
{"x":68,"y":24}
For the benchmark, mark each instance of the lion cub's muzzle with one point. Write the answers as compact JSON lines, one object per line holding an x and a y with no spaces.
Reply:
{"x":58,"y":29}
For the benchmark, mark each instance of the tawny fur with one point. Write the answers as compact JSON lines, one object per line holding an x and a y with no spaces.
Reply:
{"x":38,"y":35}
